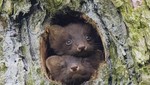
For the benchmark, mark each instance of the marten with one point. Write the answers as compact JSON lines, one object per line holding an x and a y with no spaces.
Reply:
{"x":71,"y":70}
{"x":75,"y":39}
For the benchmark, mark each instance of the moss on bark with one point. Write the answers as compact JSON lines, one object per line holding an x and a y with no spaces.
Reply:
{"x":136,"y":17}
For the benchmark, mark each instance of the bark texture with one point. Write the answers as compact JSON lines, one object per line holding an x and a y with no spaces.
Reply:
{"x":124,"y":26}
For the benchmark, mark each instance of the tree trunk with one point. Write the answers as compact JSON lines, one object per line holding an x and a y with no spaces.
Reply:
{"x":124,"y":27}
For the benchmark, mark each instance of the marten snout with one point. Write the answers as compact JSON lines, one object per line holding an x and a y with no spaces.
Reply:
{"x":81,"y":48}
{"x":74,"y":68}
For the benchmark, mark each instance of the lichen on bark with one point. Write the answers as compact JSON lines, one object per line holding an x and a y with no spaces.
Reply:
{"x":52,"y":6}
{"x":138,"y":22}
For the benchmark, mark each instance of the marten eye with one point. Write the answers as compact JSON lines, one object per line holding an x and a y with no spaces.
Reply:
{"x":88,"y":38}
{"x":69,"y":42}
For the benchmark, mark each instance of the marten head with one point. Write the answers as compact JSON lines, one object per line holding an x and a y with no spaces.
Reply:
{"x":74,"y":39}
{"x":69,"y":70}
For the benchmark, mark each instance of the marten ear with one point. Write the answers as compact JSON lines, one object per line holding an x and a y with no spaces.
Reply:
{"x":53,"y":61}
{"x":53,"y":31}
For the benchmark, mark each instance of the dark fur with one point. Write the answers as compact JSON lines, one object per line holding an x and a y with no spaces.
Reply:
{"x":60,"y":68}
{"x":77,"y":33}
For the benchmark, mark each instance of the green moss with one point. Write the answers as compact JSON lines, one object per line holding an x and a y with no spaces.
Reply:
{"x":1,"y":2}
{"x":7,"y":7}
{"x":148,"y":3}
{"x":137,"y":20}
{"x":117,"y":3}
{"x":23,"y":49}
{"x":75,"y":4}
{"x":30,"y":80}
{"x":144,"y":83}
{"x":55,"y":5}
{"x":103,"y":74}
{"x":1,"y":49}
{"x":42,"y":83}
{"x":3,"y":21}
{"x":145,"y":70}
{"x":3,"y":67}
{"x":38,"y":70}
{"x":113,"y":51}
{"x":20,"y":6}
{"x":1,"y":38}
{"x":145,"y":76}
{"x":52,"y":5}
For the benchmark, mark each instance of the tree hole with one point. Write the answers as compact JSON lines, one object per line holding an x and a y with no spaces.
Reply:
{"x":71,"y":49}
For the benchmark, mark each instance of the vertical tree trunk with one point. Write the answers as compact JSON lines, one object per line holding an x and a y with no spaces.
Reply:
{"x":124,"y":27}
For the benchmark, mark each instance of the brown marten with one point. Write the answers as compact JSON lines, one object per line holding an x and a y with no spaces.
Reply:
{"x":75,"y":39}
{"x":71,"y":70}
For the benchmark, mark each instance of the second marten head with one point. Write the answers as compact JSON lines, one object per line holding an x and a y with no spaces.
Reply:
{"x":74,"y":39}
{"x":69,"y":70}
{"x":72,"y":70}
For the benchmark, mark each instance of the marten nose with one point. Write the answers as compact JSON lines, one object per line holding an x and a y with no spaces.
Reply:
{"x":74,"y":68}
{"x":81,"y":48}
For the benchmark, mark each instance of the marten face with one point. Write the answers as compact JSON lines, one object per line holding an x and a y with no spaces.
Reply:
{"x":76,"y":40}
{"x":69,"y":70}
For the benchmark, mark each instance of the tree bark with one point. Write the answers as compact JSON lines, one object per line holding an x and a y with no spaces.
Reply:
{"x":124,"y":27}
